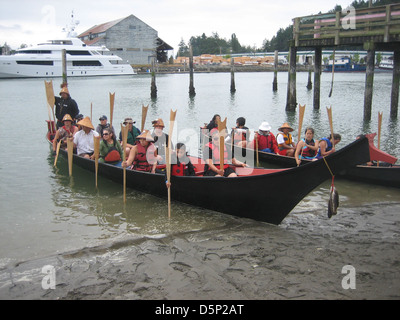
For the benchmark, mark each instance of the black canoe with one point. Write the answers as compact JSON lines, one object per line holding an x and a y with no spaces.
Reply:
{"x":260,"y":194}
{"x":382,"y":175}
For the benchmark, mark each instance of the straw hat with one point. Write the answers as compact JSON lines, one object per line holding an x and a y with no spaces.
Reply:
{"x":67,"y":117}
{"x":158,"y":123}
{"x":86,"y":123}
{"x":145,"y":135}
{"x":264,"y":126}
{"x":64,"y":90}
{"x":286,"y":126}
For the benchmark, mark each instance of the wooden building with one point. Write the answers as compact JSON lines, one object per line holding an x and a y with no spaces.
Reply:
{"x":129,"y":38}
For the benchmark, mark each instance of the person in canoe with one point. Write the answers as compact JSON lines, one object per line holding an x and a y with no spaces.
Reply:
{"x":160,"y":140}
{"x":65,"y":105}
{"x":110,"y":148}
{"x":241,"y":133}
{"x":266,"y":139}
{"x":211,"y":156}
{"x":285,"y":141}
{"x":66,"y":131}
{"x":307,"y":147}
{"x":102,"y":125}
{"x":83,"y":139}
{"x":183,"y":165}
{"x":143,"y":155}
{"x":133,"y":133}
{"x":326,"y":145}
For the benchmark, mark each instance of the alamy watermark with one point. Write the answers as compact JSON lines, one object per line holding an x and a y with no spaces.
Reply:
{"x":349,"y":19}
{"x":49,"y":280}
{"x":349,"y":280}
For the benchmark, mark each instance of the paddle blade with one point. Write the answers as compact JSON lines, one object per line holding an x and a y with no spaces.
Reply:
{"x":112,"y":99}
{"x":301,"y":117}
{"x":70,"y":149}
{"x":124,"y":133}
{"x":333,"y":202}
{"x":50,"y":93}
{"x":144,"y":115}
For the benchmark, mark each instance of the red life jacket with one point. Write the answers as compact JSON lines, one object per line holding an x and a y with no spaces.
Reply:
{"x":216,"y":158}
{"x":179,"y":169}
{"x":70,"y":131}
{"x":265,"y":142}
{"x":239,"y":135}
{"x":307,"y":152}
{"x":144,"y":158}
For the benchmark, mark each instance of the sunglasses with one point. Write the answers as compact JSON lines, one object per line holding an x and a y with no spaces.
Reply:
{"x":105,"y":134}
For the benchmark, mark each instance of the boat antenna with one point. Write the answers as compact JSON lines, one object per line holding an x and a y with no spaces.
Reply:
{"x":70,"y":28}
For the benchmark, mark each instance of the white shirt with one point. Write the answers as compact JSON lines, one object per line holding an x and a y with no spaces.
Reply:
{"x":84,"y":142}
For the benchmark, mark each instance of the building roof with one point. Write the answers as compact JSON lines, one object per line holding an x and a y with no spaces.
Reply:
{"x":100,"y":28}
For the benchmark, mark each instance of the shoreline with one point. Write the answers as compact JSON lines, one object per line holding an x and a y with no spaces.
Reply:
{"x":242,"y":260}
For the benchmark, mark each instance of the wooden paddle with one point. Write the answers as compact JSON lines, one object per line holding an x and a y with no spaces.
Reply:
{"x":124,"y":133}
{"x":70,"y":150}
{"x":329,"y":110}
{"x":221,"y":127}
{"x":379,"y":132}
{"x":301,"y":116}
{"x":57,"y":152}
{"x":50,"y":99}
{"x":112,"y":99}
{"x":168,"y":157}
{"x":96,"y":142}
{"x":144,"y":115}
{"x":258,"y":162}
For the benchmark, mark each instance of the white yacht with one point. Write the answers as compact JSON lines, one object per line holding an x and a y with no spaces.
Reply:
{"x":45,"y":59}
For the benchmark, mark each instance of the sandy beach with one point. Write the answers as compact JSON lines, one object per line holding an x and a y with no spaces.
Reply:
{"x":243,"y":260}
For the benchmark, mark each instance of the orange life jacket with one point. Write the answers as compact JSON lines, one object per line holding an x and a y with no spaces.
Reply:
{"x":144,"y":159}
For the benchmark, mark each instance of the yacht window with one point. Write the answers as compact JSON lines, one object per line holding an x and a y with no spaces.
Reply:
{"x":37,"y":63}
{"x":79,"y":52}
{"x":89,"y":63}
{"x":35,"y":51}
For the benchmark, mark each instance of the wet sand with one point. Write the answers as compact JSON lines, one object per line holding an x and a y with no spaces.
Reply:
{"x":243,"y":260}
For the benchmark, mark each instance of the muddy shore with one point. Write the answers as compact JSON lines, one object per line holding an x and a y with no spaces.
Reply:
{"x":244,"y":260}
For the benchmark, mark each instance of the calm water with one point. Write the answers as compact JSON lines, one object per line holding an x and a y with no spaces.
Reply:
{"x":43,"y":211}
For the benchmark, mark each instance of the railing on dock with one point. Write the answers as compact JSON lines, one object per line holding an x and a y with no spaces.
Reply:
{"x":378,"y":24}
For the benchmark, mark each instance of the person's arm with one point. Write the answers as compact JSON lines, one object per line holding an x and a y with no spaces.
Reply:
{"x":132,"y":154}
{"x":298,"y":151}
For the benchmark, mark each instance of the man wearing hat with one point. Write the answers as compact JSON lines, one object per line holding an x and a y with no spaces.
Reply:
{"x":285,"y":142}
{"x":66,"y":131}
{"x":103,"y":125}
{"x":65,"y":105}
{"x":83,"y":139}
{"x":133,"y":133}
{"x":266,"y":139}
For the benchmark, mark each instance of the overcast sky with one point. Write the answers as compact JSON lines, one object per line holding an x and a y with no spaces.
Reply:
{"x":31,"y":22}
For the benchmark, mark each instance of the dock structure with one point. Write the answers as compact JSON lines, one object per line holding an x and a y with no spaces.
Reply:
{"x":374,"y":28}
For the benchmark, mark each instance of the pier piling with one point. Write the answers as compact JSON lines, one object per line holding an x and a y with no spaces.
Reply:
{"x":233,"y":86}
{"x":317,"y":77}
{"x":153,"y":79}
{"x":291,"y":89}
{"x":192,"y":92}
{"x":394,"y":104}
{"x":275,"y":83}
{"x":369,"y":84}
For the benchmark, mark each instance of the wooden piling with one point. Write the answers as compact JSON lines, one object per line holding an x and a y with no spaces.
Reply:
{"x":153,"y":79}
{"x":192,"y":92}
{"x":291,"y":89}
{"x":394,"y":104}
{"x":275,"y":83}
{"x":64,"y":66}
{"x":233,"y":86}
{"x":317,"y":77}
{"x":309,"y":83}
{"x":369,"y":84}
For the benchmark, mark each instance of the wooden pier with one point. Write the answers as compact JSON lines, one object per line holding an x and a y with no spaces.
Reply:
{"x":376,"y":29}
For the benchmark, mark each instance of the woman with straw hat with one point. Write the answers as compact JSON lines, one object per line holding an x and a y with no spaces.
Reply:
{"x":285,"y":141}
{"x":66,"y":131}
{"x":83,"y":139}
